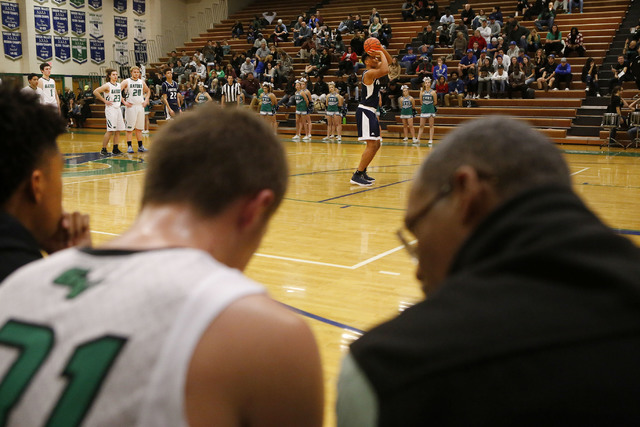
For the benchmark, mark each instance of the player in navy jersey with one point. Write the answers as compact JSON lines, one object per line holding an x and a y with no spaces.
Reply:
{"x":171,"y":99}
{"x":368,"y":127}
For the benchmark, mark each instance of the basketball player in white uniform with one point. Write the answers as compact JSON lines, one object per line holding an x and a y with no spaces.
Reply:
{"x":112,"y":99}
{"x":137,"y":95}
{"x":159,"y":327}
{"x":32,"y":87}
{"x":47,"y":86}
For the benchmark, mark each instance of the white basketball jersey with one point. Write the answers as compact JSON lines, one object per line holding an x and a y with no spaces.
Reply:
{"x":104,"y":338}
{"x":114,"y":94}
{"x":135,"y":91}
{"x":49,"y":91}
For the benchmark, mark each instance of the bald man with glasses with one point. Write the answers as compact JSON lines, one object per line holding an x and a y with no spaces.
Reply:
{"x":532,"y":308}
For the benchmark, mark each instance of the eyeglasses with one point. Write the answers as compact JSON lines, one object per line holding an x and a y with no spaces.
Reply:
{"x":406,"y":236}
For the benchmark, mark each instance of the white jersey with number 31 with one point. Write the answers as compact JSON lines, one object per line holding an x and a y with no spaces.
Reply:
{"x":105,"y":338}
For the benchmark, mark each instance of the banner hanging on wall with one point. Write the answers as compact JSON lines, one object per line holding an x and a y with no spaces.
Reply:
{"x":42,"y":19}
{"x":140,"y":30}
{"x":140,"y":51}
{"x":41,"y":1}
{"x":12,"y":44}
{"x":95,"y":25}
{"x":78,"y":23}
{"x":62,"y":48}
{"x":121,"y":52}
{"x":96,"y":48}
{"x":95,"y":4}
{"x":44,"y":50}
{"x":78,"y":4}
{"x":10,"y":16}
{"x":79,"y":50}
{"x":120,"y":6}
{"x":60,"y":21}
{"x":120,"y":27}
{"x":58,"y":2}
{"x":139,"y":7}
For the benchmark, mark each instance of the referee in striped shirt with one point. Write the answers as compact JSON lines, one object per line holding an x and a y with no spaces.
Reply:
{"x":231,"y":93}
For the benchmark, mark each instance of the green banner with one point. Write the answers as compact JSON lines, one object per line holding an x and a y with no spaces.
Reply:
{"x":79,"y":50}
{"x":77,"y":3}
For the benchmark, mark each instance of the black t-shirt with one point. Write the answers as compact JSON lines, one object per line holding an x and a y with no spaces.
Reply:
{"x":616,"y":103}
{"x":17,"y":246}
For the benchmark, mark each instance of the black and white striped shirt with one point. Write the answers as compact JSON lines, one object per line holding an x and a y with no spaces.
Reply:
{"x":231,"y":92}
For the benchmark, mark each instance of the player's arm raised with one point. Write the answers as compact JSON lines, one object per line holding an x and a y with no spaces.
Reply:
{"x":270,"y":377}
{"x":382,"y":69}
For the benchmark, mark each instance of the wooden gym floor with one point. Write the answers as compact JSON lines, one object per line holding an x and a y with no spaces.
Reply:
{"x":331,"y":251}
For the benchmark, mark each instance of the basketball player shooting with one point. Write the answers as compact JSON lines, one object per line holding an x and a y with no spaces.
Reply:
{"x":377,"y":60}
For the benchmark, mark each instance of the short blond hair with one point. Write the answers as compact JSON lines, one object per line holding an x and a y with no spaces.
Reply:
{"x":135,"y":67}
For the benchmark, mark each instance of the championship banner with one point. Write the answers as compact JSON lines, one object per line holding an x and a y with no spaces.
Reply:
{"x":41,"y":1}
{"x":95,"y":25}
{"x":44,"y":50}
{"x":96,"y":47}
{"x":62,"y":47}
{"x":140,"y":51}
{"x":120,"y":27}
{"x":78,"y":23}
{"x":78,"y":4}
{"x":95,"y":4}
{"x":58,"y":2}
{"x":139,"y":7}
{"x":60,"y":21}
{"x":10,"y":16}
{"x":12,"y":44}
{"x":120,"y":52}
{"x":79,"y":50}
{"x":42,"y":19}
{"x":120,"y":6}
{"x":140,"y":30}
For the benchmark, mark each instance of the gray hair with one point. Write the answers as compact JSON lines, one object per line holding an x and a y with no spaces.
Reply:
{"x":516,"y":156}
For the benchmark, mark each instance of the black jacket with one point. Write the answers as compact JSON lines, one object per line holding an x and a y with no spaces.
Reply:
{"x":17,"y":246}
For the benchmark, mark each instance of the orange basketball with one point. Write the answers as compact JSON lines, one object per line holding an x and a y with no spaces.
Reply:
{"x":372,"y":44}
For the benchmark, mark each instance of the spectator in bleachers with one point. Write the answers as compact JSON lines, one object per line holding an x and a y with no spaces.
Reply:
{"x":496,"y":13}
{"x":575,"y":3}
{"x":517,"y":82}
{"x":346,"y":26}
{"x":523,"y":6}
{"x":501,"y":60}
{"x":394,"y":70}
{"x":209,"y":54}
{"x":184,"y":57}
{"x":325,"y":62}
{"x":314,"y":62}
{"x":621,"y":72}
{"x":553,"y":42}
{"x":471,"y":84}
{"x":440,"y":70}
{"x":421,"y":8}
{"x":178,"y":72}
{"x":424,"y":69}
{"x":353,"y":87}
{"x":289,"y":98}
{"x":519,"y":35}
{"x":386,"y":33}
{"x":375,"y":27}
{"x":262,"y":52}
{"x":485,"y":71}
{"x":237,"y":30}
{"x":477,"y":38}
{"x":539,"y":59}
{"x":408,"y":11}
{"x":574,"y":43}
{"x":251,"y":35}
{"x":546,"y":18}
{"x":533,"y":41}
{"x":629,"y":50}
{"x":320,"y":90}
{"x":485,"y":31}
{"x":347,"y":61}
{"x":513,"y":50}
{"x":258,"y":42}
{"x":247,"y":68}
{"x":499,"y":82}
{"x":408,"y":59}
{"x":564,"y":4}
{"x":492,"y":48}
{"x":341,"y":86}
{"x":547,"y":78}
{"x":459,"y":46}
{"x":357,"y":23}
{"x":447,"y":18}
{"x":236,"y":62}
{"x":590,"y":77}
{"x":481,"y":57}
{"x":250,"y":86}
{"x":444,"y":39}
{"x":374,"y":14}
{"x":529,"y":70}
{"x":357,"y":43}
{"x":477,"y":21}
{"x":467,"y":14}
{"x":199,"y":73}
{"x":442,"y":88}
{"x":468,"y":62}
{"x":456,"y":90}
{"x":173,"y":57}
{"x":459,"y":28}
{"x":280,"y":33}
{"x":303,"y":34}
{"x":428,"y":40}
{"x":494,"y":26}
{"x":319,"y":18}
{"x":432,"y":13}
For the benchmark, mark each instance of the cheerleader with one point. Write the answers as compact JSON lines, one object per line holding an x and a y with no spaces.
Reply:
{"x":307,"y":117}
{"x":407,"y":106}
{"x":334,"y":103}
{"x":428,"y":109}
{"x":302,"y":103}
{"x":268,"y":106}
{"x":202,"y":97}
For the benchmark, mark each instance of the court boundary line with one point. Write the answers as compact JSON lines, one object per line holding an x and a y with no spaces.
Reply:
{"x":323,"y":319}
{"x":364,"y":191}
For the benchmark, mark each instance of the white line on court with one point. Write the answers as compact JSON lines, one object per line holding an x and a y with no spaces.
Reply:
{"x":105,"y":233}
{"x":114,"y":176}
{"x":390,"y":273}
{"x":304,"y":261}
{"x":377,"y":257}
{"x":580,"y":171}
